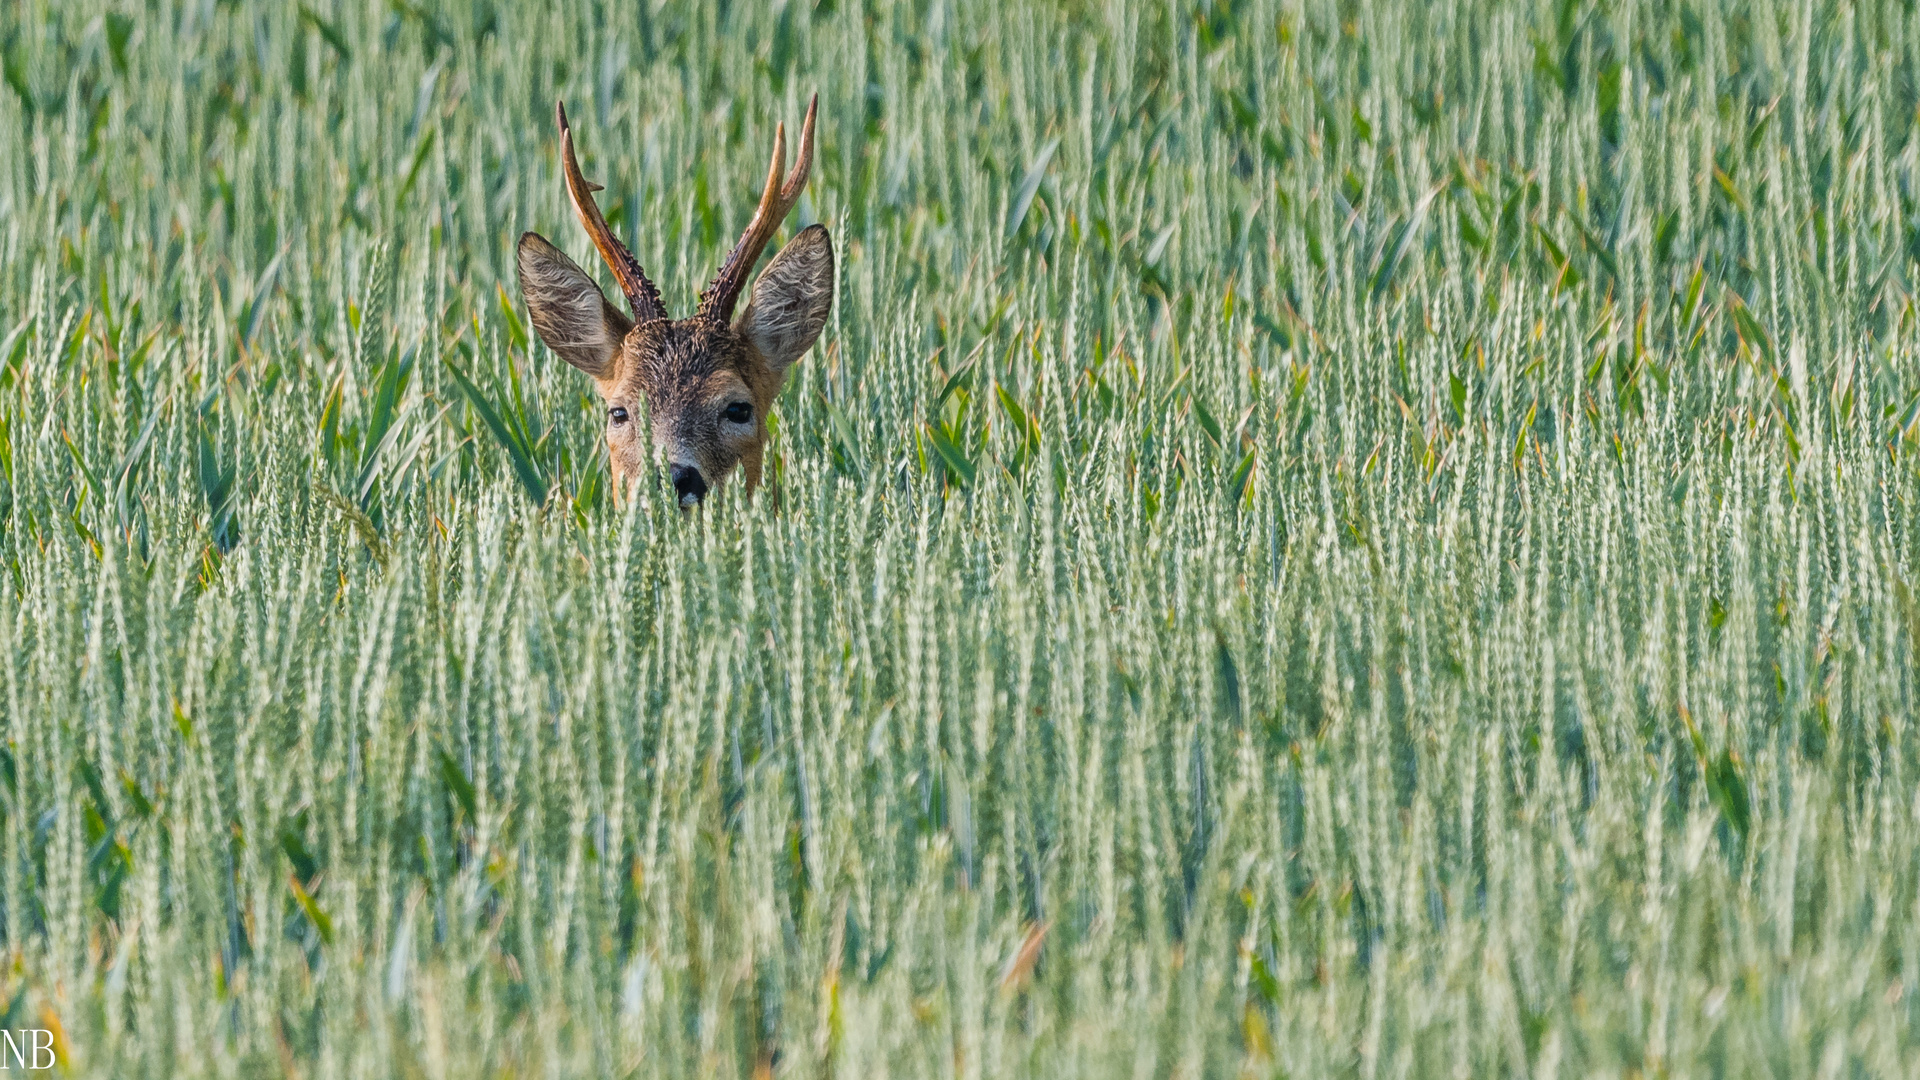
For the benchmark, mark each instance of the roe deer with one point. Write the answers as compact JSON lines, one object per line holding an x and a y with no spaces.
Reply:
{"x":708,"y":382}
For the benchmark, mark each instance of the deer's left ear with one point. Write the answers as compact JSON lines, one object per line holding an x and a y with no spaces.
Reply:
{"x":791,"y":300}
{"x":569,"y":311}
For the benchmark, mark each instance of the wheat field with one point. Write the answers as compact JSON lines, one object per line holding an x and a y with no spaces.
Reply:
{"x":1349,"y":539}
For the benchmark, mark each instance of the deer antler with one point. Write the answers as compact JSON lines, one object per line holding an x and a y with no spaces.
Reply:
{"x":778,"y":198}
{"x":642,"y":297}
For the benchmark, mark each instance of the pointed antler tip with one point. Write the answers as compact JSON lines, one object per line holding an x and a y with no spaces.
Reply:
{"x":776,"y":200}
{"x":642,"y":296}
{"x":803,"y":161}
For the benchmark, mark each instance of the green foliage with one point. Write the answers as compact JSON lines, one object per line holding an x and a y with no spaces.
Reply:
{"x":1320,"y":539}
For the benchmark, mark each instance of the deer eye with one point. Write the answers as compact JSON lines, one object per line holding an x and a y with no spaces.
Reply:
{"x":737,"y":413}
{"x":617,"y":414}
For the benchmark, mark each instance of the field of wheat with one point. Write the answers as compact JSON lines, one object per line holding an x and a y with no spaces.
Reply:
{"x":1321,"y":538}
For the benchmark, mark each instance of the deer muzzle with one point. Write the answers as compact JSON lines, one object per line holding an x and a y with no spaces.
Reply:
{"x":688,"y":484}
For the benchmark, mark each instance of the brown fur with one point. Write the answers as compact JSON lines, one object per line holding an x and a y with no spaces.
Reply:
{"x":687,"y":371}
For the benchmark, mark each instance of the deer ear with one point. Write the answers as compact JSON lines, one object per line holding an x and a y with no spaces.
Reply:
{"x":791,"y":300}
{"x":569,"y":311}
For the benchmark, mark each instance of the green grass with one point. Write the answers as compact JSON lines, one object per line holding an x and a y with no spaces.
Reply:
{"x":1319,"y":540}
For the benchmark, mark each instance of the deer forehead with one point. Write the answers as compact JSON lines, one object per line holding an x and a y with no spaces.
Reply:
{"x":690,"y":363}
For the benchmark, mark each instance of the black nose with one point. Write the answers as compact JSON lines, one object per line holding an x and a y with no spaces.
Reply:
{"x":688,"y":484}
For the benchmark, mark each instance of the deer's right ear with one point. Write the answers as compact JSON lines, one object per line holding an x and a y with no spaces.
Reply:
{"x":792,"y":299}
{"x":569,"y":311}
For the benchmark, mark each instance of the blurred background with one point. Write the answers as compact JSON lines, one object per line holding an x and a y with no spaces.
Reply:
{"x":1320,"y":538}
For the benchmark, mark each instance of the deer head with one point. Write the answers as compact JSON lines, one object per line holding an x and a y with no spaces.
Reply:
{"x":707,"y":380}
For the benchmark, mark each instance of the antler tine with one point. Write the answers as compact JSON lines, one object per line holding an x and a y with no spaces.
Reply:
{"x":642,"y":296}
{"x":776,"y":201}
